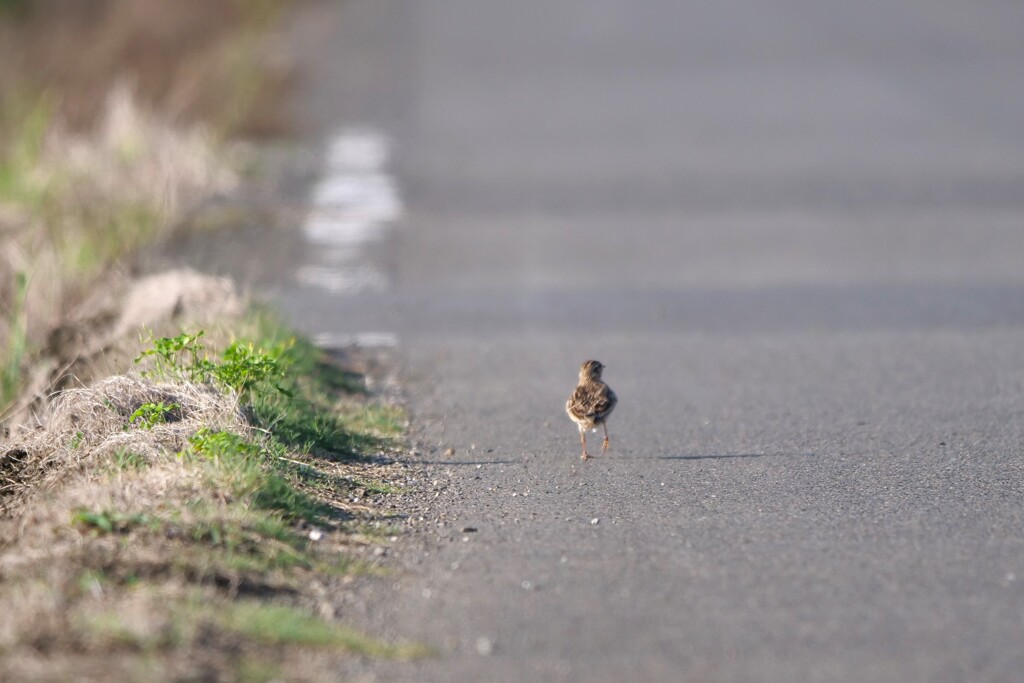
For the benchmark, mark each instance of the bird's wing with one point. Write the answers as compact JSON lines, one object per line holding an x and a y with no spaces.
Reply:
{"x":605,"y":401}
{"x":593,"y":400}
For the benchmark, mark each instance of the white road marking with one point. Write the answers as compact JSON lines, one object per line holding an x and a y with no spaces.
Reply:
{"x":354,"y":204}
{"x":365,"y":340}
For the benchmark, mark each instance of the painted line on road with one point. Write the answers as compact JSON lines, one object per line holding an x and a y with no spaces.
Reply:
{"x":363,"y":340}
{"x":353,"y":205}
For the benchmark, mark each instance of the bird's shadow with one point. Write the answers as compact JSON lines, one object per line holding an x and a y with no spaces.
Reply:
{"x":466,"y":462}
{"x":722,"y":456}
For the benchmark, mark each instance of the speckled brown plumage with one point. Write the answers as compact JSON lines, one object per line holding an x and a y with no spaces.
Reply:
{"x":591,"y":404}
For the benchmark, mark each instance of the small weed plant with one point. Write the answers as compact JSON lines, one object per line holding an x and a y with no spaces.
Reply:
{"x":243,"y":367}
{"x":14,"y":348}
{"x":250,"y":470}
{"x":126,"y":460}
{"x":181,"y":356}
{"x":109,"y":521}
{"x":218,"y":446}
{"x":149,"y":415}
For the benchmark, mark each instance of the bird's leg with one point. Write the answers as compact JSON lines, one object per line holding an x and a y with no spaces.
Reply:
{"x":583,"y":440}
{"x":604,"y":444}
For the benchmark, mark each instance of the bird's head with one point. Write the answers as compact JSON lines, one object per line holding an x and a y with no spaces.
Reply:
{"x":591,"y":370}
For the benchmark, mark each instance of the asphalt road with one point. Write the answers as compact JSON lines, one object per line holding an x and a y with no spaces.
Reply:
{"x":794,"y":232}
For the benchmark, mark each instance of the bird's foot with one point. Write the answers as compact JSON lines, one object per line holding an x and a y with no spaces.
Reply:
{"x":586,"y":456}
{"x":604,"y":445}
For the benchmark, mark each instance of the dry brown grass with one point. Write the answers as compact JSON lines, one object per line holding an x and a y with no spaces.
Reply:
{"x":111,"y":117}
{"x":75,"y":207}
{"x":209,"y":61}
{"x":85,"y":201}
{"x":85,"y":426}
{"x":122,"y":558}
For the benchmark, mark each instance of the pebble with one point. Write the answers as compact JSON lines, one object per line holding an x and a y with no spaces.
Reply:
{"x":484,"y":646}
{"x":595,"y":520}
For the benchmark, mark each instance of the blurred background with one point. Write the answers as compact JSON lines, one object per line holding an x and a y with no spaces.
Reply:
{"x":115,"y":120}
{"x":698,"y":167}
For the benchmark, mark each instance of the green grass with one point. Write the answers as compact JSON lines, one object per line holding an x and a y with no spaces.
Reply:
{"x":92,"y":580}
{"x":257,"y":670}
{"x":317,"y":480}
{"x":379,"y":529}
{"x":303,"y":417}
{"x":271,"y":625}
{"x":293,"y":391}
{"x":257,"y":623}
{"x":110,"y":629}
{"x":124,"y":461}
{"x":385,"y":423}
{"x":253,"y":542}
{"x":15,"y":8}
{"x":111,"y":521}
{"x":255,"y":538}
{"x":249,"y":471}
{"x":107,"y":231}
{"x":23,"y":126}
{"x":72,"y":229}
{"x":222,"y":447}
{"x":309,"y":422}
{"x":290,"y":384}
{"x":301,"y":358}
{"x":375,"y":486}
{"x":182,"y":357}
{"x":87,"y":230}
{"x":15,"y":347}
{"x":149,"y":415}
{"x":276,"y":493}
{"x":243,"y":525}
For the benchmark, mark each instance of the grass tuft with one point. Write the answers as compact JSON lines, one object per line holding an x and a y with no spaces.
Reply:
{"x":150,"y":414}
{"x":125,"y":460}
{"x":110,"y":522}
{"x":14,"y":349}
{"x":270,"y":624}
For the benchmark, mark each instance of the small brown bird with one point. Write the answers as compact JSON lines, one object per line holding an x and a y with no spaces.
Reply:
{"x":591,"y":404}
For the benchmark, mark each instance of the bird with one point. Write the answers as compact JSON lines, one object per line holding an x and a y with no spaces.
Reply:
{"x":591,"y":403}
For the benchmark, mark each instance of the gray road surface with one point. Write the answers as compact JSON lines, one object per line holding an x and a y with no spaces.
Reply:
{"x":794,"y":232}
